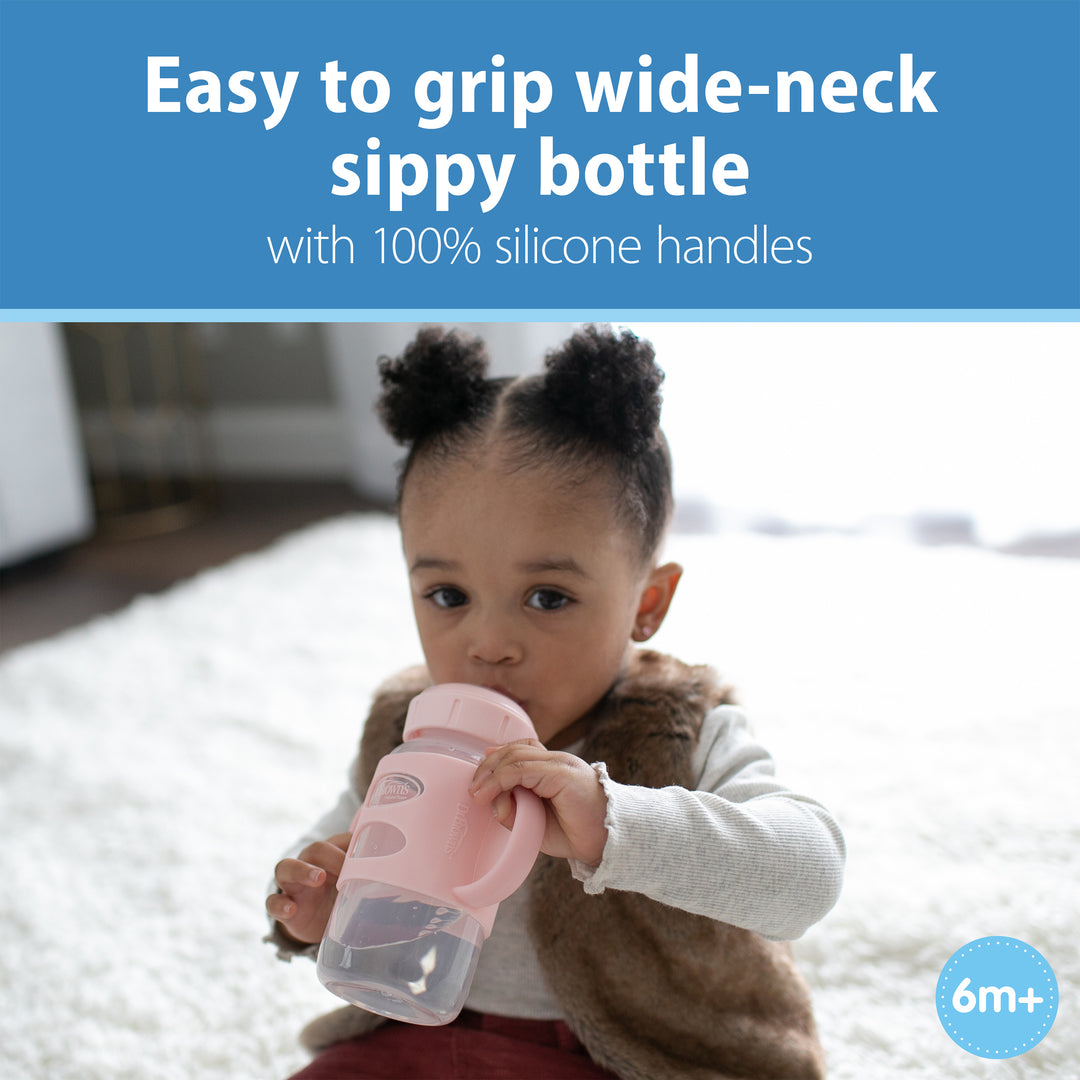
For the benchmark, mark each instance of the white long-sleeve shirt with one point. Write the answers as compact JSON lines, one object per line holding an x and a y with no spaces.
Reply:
{"x":740,"y":848}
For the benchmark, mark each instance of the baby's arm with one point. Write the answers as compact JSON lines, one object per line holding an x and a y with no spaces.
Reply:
{"x":742,"y":849}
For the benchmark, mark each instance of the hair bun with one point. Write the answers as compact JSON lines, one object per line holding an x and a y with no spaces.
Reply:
{"x":438,"y":382}
{"x":607,"y":387}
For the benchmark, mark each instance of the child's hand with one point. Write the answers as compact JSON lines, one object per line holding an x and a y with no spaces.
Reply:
{"x":574,"y":798}
{"x":308,"y":887}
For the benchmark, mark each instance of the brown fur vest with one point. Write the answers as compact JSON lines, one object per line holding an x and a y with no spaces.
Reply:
{"x":654,"y":993}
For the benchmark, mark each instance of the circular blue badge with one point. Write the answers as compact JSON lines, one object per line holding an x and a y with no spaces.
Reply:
{"x":997,"y":997}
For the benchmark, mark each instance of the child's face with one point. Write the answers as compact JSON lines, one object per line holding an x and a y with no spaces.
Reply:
{"x":520,"y":584}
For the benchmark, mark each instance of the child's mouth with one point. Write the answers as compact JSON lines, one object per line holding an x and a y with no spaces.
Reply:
{"x":506,"y":693}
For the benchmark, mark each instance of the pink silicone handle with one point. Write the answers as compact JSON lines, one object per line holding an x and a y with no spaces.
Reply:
{"x":516,"y":859}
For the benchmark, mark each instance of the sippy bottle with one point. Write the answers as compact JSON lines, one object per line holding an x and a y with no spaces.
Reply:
{"x":427,"y":867}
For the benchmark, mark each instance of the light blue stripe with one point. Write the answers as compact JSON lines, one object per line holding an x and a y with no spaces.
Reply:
{"x":1035,"y":315}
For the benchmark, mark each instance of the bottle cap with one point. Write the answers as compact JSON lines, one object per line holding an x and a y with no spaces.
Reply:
{"x":472,"y":710}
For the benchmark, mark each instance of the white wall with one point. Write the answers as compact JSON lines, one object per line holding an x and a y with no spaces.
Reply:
{"x":839,"y":424}
{"x":44,"y":493}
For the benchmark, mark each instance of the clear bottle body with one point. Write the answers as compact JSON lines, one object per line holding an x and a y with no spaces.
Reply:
{"x":397,"y":952}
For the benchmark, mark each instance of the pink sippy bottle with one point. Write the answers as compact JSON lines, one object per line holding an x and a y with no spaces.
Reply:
{"x":426,"y":866}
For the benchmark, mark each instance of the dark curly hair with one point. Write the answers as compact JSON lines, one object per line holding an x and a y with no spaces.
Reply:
{"x":597,"y":402}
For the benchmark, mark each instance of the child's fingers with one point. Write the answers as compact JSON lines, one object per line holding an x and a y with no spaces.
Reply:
{"x":306,"y":895}
{"x":316,"y":865}
{"x":303,"y":918}
{"x":295,"y":872}
{"x":484,"y":786}
{"x":327,"y":855}
{"x":574,"y":796}
{"x":281,"y":907}
{"x":306,"y":886}
{"x":497,"y":756}
{"x":504,"y":808}
{"x":522,"y":764}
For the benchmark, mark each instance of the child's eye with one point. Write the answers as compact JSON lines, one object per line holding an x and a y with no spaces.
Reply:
{"x":446,"y":596}
{"x":547,"y":600}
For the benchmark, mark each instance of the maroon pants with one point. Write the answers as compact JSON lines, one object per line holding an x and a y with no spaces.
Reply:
{"x":476,"y":1046}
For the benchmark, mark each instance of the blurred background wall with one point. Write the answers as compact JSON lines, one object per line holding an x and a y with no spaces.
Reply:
{"x":133,"y":427}
{"x":276,"y":399}
{"x":939,"y":432}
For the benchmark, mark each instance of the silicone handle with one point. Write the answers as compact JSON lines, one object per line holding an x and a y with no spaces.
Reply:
{"x":513,"y":863}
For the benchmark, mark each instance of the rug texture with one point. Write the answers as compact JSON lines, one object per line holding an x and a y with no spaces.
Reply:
{"x":154,"y":763}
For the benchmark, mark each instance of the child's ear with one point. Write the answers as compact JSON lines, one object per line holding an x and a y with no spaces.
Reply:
{"x":655,"y":600}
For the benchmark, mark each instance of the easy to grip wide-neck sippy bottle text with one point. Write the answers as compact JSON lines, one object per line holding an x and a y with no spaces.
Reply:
{"x":427,"y":867}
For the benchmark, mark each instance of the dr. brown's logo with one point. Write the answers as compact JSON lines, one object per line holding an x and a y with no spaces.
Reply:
{"x":458,"y":828}
{"x":395,"y":788}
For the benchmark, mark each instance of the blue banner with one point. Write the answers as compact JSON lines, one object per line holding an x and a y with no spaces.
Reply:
{"x":539,"y":156}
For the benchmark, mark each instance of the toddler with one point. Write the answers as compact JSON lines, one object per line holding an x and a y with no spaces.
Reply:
{"x":649,"y":940}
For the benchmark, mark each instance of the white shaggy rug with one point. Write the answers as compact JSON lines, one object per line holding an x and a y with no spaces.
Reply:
{"x":155,"y":762}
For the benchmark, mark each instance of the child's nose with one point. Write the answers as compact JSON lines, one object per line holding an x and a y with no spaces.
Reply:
{"x":494,"y":642}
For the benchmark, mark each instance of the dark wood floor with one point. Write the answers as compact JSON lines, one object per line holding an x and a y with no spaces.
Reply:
{"x":43,"y":596}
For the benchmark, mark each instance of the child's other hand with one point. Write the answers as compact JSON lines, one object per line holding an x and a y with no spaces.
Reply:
{"x":308,"y":887}
{"x":573,"y":795}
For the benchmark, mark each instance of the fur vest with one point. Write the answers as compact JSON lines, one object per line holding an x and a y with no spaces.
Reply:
{"x":653,"y":992}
